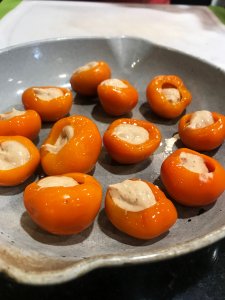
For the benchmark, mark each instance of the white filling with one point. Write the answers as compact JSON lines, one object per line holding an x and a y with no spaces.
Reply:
{"x":196,"y":164}
{"x":54,"y":181}
{"x":132,"y":134}
{"x":86,"y":67}
{"x":171,"y":94}
{"x":170,"y":143}
{"x":116,"y":83}
{"x":132,"y":195}
{"x":66,"y":134}
{"x":201,"y":119}
{"x":48,"y":94}
{"x":13,"y":113}
{"x":12,"y":155}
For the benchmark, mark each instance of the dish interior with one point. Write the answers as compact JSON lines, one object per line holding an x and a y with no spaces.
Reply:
{"x":52,"y":63}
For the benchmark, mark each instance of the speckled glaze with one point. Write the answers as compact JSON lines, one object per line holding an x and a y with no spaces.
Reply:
{"x":31,"y":255}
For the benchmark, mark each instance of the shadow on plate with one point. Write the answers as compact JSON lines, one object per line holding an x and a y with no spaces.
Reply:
{"x":180,"y":144}
{"x":36,"y":141}
{"x":85,"y":100}
{"x":112,"y":232}
{"x":116,"y":168}
{"x":100,"y":115}
{"x":159,"y":183}
{"x":15,"y":190}
{"x":185,"y":212}
{"x":39,"y":235}
{"x":211,"y":152}
{"x":150,"y":116}
{"x":47,"y":125}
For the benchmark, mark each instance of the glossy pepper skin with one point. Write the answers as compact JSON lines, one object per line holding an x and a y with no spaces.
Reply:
{"x":187,"y":187}
{"x":27,"y":124}
{"x":64,"y":210}
{"x":18,"y":175}
{"x":49,"y":111}
{"x":117,"y":101}
{"x":79,"y":154}
{"x":202,"y":139}
{"x":86,"y":82}
{"x":126,"y":153}
{"x":145,"y":224}
{"x":159,"y":103}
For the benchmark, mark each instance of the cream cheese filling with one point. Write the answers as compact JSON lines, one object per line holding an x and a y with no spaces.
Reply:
{"x":55,"y":181}
{"x":132,"y":195}
{"x":48,"y":94}
{"x":115,"y":83}
{"x":86,"y":67}
{"x":171,"y":94}
{"x":66,"y":134}
{"x":196,"y":164}
{"x":201,"y":119}
{"x":13,"y":113}
{"x":132,"y":134}
{"x":12,"y":155}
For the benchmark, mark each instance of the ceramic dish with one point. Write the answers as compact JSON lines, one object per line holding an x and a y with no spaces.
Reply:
{"x":31,"y":255}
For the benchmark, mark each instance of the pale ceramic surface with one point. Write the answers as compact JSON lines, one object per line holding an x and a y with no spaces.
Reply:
{"x":192,"y":29}
{"x":32,"y":255}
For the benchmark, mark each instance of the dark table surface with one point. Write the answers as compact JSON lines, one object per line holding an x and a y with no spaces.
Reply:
{"x":199,"y":275}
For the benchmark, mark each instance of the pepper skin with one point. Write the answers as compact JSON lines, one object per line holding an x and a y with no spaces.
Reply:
{"x":17,"y":175}
{"x":51,"y":110}
{"x":126,"y":153}
{"x":79,"y":154}
{"x":145,"y":224}
{"x":27,"y":124}
{"x":64,"y":210}
{"x":158,"y":102}
{"x":202,"y":139}
{"x":187,"y":187}
{"x":85,"y":82}
{"x":117,"y":101}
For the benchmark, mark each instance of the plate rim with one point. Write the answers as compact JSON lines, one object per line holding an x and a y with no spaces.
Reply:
{"x":81,"y":267}
{"x":119,"y":37}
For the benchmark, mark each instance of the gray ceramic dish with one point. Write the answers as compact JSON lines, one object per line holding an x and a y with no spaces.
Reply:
{"x":31,"y":255}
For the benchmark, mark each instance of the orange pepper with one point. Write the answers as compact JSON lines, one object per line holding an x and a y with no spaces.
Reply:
{"x":50,"y":110}
{"x":202,"y":139}
{"x":127,"y":153}
{"x":116,"y":100}
{"x":17,"y":175}
{"x":64,"y":210}
{"x":160,"y":104}
{"x":187,"y":187}
{"x":145,"y":224}
{"x":27,"y":124}
{"x":86,"y":81}
{"x":79,"y":153}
